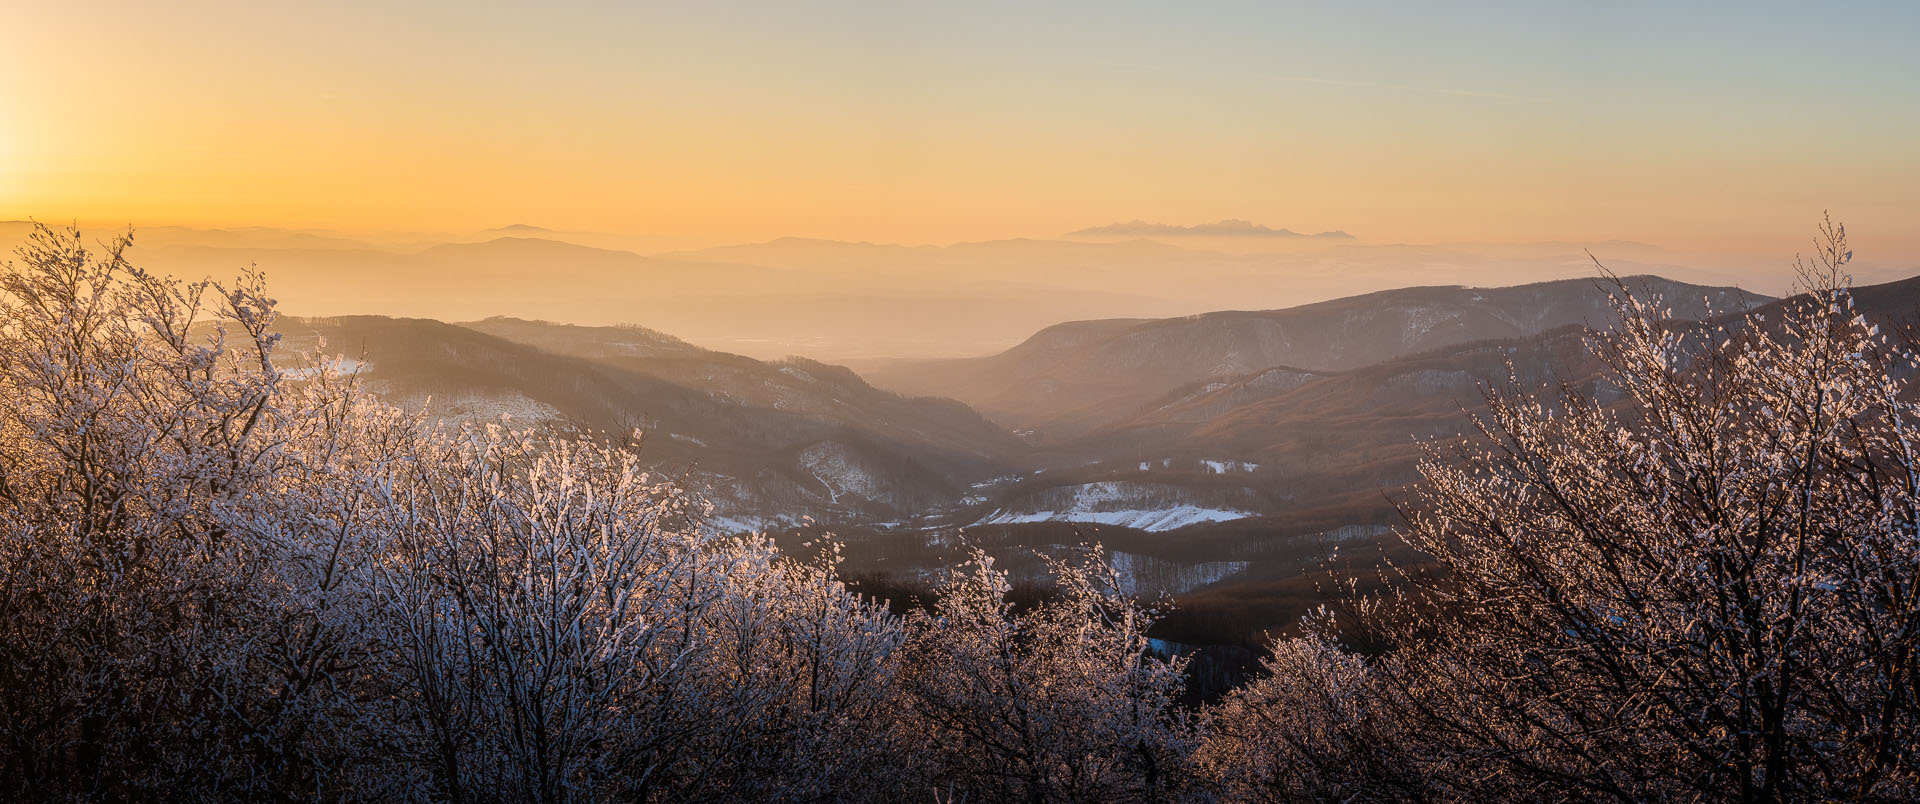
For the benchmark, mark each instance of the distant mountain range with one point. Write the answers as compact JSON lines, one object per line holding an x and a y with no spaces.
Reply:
{"x":1222,"y":456}
{"x":1226,"y":454}
{"x":1076,"y":378}
{"x":1225,"y":228}
{"x":1155,"y":424}
{"x":851,"y":302}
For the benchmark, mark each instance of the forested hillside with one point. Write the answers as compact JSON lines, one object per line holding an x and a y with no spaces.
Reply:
{"x":770,"y":444}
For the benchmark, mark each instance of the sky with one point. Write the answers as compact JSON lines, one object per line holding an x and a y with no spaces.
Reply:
{"x":1690,"y":125}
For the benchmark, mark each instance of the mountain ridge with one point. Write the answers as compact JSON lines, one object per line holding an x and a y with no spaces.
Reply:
{"x":1046,"y":382}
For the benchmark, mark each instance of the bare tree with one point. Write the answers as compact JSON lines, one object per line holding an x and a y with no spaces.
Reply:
{"x":226,"y":581}
{"x":1061,"y":702}
{"x":1706,"y":592}
{"x":171,"y":624}
{"x":1315,"y":726}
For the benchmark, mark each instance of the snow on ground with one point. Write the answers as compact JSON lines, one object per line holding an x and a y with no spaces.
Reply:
{"x":1223,"y":467}
{"x":1112,"y":503}
{"x":1154,"y":521}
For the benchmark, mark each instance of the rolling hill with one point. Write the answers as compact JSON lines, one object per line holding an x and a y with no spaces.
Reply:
{"x":1077,"y":378}
{"x":771,"y":443}
{"x":1232,"y":490}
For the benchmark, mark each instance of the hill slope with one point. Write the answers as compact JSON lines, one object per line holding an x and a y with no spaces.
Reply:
{"x":1074,"y":378}
{"x":769,"y":441}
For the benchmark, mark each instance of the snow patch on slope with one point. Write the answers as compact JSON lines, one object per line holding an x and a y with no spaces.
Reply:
{"x":1116,"y":503}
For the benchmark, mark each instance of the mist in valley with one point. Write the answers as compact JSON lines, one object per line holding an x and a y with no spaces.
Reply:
{"x":513,"y":403}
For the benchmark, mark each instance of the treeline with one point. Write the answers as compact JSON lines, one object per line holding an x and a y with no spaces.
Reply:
{"x":218,"y":583}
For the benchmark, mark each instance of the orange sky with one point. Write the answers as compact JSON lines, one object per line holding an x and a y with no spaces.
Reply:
{"x":1702,"y":128}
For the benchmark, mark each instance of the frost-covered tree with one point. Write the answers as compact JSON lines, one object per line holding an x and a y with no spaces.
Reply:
{"x":1314,"y":726}
{"x":177,"y":616}
{"x":1061,"y":702}
{"x":800,"y":685}
{"x":563,"y":631}
{"x":222,"y":580}
{"x":524,"y":589}
{"x":1704,"y":591}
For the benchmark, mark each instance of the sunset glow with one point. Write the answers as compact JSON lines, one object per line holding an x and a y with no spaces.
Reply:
{"x":868,"y":401}
{"x":916,"y":123}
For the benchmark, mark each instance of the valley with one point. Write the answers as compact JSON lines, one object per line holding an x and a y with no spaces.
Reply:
{"x":1244,"y":462}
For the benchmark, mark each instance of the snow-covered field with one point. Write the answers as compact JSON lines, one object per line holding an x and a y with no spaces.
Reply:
{"x":1116,"y":503}
{"x":1157,"y":520}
